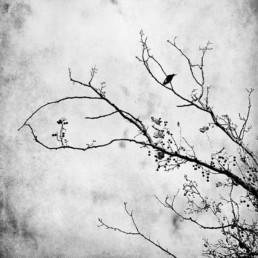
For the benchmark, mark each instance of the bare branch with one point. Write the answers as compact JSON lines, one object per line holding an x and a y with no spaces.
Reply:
{"x":127,"y":116}
{"x":137,"y":233}
{"x":88,"y":146}
{"x":245,"y":119}
{"x":55,"y":102}
{"x":171,"y":206}
{"x":98,"y":117}
{"x":239,"y":237}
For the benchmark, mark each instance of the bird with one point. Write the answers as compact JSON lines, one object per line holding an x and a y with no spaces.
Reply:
{"x":169,"y":78}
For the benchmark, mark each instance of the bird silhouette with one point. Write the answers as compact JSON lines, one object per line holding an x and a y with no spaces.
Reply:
{"x":169,"y":78}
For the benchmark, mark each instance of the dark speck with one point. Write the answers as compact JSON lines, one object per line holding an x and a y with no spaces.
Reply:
{"x":175,"y":222}
{"x":113,"y":1}
{"x":6,"y":7}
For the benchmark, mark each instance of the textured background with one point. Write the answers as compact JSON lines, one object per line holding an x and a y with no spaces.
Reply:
{"x":50,"y":200}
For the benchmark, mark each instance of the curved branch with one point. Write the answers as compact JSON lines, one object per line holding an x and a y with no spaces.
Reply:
{"x":171,"y":206}
{"x":55,"y":102}
{"x":154,"y":146}
{"x":88,"y":147}
{"x":137,"y":233}
{"x":101,"y":116}
{"x":129,"y":117}
{"x":227,"y":128}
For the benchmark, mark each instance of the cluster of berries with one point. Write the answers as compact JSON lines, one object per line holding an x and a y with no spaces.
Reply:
{"x":61,"y":134}
{"x":164,"y":139}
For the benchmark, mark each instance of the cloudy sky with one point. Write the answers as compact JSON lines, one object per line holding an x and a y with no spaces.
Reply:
{"x":51,"y":200}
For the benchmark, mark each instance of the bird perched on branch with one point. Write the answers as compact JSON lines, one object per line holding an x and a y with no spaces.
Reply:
{"x":169,"y":78}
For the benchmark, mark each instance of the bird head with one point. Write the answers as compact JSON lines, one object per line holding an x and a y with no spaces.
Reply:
{"x":171,"y":75}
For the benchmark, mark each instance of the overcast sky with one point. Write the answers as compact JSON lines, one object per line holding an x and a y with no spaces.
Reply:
{"x":52,"y":199}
